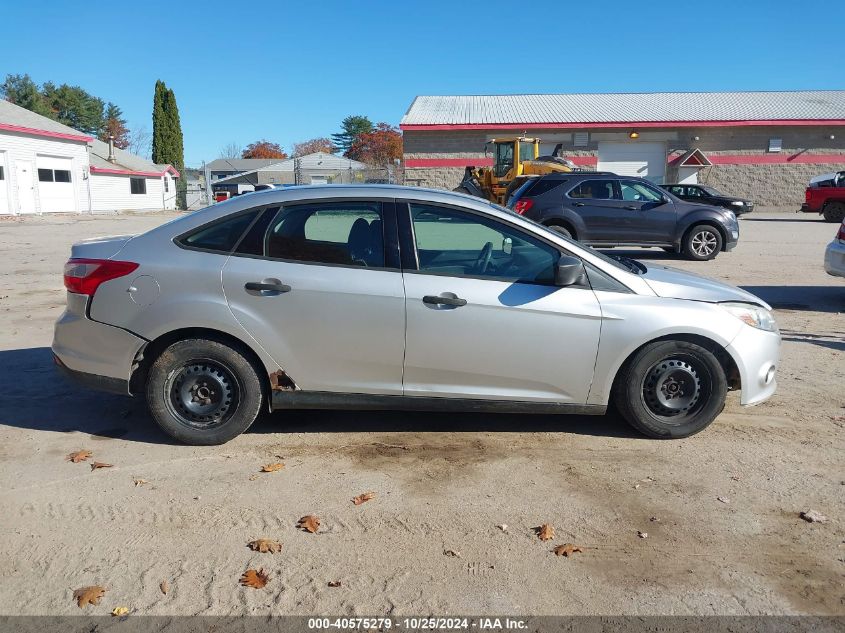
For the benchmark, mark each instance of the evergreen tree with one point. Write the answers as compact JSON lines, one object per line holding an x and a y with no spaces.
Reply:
{"x":168,"y":143}
{"x":351,"y":128}
{"x":22,"y":91}
{"x":115,"y":126}
{"x":74,"y":107}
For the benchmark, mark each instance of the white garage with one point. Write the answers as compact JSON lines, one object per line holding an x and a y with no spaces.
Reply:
{"x":56,"y":186}
{"x":644,"y":160}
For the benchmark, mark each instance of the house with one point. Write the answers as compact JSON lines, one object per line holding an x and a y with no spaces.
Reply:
{"x":47,"y":167}
{"x":311,"y":169}
{"x":759,"y":145}
{"x":225,"y":167}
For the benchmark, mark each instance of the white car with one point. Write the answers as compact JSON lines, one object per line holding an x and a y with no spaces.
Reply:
{"x":834,"y":256}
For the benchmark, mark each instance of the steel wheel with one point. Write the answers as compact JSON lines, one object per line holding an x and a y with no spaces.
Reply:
{"x":672,"y":387}
{"x":202,"y":394}
{"x":704,"y":243}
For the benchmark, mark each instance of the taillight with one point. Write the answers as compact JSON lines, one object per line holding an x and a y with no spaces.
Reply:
{"x":841,"y":235}
{"x":522,"y":206}
{"x":84,"y":276}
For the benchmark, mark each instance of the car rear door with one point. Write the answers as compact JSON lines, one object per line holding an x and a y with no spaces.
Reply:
{"x":495,"y":331}
{"x":319,"y":287}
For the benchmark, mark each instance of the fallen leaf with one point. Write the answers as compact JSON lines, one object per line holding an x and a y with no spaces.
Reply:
{"x":503,"y":527}
{"x":79,"y":456}
{"x":253,"y":477}
{"x":265,"y":545}
{"x":642,"y":534}
{"x":362,"y":498}
{"x":545,"y":532}
{"x":89,"y":595}
{"x":96,"y":465}
{"x":271,"y":468}
{"x":452,"y":553}
{"x":567,"y":549}
{"x":309,"y":523}
{"x":723,"y":499}
{"x":334,"y":583}
{"x":141,"y":482}
{"x":255,"y":579}
{"x":119,"y":612}
{"x":164,"y":587}
{"x":813,"y":516}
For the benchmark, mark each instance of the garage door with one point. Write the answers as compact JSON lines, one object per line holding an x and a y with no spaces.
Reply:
{"x":55,"y":184}
{"x":644,"y":160}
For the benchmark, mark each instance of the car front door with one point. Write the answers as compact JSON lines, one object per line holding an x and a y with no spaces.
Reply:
{"x":652,"y":215}
{"x":598,"y":204}
{"x":318,"y":286}
{"x":484,"y":318}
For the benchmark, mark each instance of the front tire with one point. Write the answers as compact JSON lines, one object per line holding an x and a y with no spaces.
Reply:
{"x":204,"y":392}
{"x":702,"y":242}
{"x":671,"y":389}
{"x":834,"y":212}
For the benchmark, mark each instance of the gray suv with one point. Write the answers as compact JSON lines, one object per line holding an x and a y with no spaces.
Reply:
{"x":606,"y":210}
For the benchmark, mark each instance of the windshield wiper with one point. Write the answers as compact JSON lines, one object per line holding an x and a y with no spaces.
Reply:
{"x":636,"y":267}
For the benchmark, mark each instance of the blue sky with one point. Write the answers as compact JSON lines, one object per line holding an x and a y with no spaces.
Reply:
{"x":289,"y":71}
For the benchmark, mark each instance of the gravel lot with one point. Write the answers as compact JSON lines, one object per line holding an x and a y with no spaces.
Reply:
{"x":443,"y":482}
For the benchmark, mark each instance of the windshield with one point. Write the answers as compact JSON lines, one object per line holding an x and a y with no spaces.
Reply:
{"x":712,"y":192}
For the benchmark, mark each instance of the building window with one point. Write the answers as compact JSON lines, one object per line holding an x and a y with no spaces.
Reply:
{"x":138,"y":185}
{"x":775,"y":144}
{"x":166,"y":184}
{"x":2,"y":177}
{"x":53,"y":175}
{"x":582,"y":139}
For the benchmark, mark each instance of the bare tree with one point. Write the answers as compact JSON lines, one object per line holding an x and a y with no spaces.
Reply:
{"x":231,"y":150}
{"x":140,"y":141}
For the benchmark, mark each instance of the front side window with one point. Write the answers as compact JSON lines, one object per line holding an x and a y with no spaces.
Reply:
{"x":345,"y":233}
{"x":594,"y":190}
{"x":526,"y":151}
{"x":678,"y":191}
{"x":138,"y":185}
{"x":636,"y":191}
{"x":220,"y":236}
{"x":457,"y":243}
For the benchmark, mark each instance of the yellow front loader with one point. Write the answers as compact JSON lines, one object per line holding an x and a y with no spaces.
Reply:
{"x":514,"y":160}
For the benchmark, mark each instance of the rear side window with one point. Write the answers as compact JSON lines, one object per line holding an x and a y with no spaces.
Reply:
{"x":345,"y":233}
{"x":594,"y":190}
{"x":541,"y":186}
{"x":220,"y":236}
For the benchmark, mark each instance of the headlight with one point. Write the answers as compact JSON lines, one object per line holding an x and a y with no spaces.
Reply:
{"x":753,"y":315}
{"x":738,"y":203}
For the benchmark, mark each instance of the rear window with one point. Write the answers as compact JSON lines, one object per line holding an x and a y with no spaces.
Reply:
{"x":220,"y":236}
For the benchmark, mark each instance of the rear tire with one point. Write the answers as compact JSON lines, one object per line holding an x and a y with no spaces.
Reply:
{"x":702,"y":242}
{"x":204,"y":392}
{"x":834,"y":212}
{"x":671,"y":389}
{"x":557,"y":228}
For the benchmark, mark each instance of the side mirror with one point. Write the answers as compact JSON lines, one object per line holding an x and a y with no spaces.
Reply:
{"x":570,"y":272}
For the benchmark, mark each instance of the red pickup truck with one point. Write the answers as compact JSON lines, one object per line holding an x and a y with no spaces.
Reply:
{"x":826,"y":195}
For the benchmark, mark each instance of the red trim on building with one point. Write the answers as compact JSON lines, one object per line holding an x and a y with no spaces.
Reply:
{"x":616,"y":124}
{"x":592,"y":161}
{"x":129,"y":172}
{"x":34,"y":132}
{"x":774,"y":159}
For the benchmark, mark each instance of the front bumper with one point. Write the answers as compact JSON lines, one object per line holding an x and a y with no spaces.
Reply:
{"x":834,"y":259}
{"x":756,"y":353}
{"x":97,"y":354}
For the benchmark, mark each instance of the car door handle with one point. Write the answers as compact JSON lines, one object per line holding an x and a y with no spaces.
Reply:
{"x":578,"y":204}
{"x":632,"y":207}
{"x":444,"y":301}
{"x":272,"y":287}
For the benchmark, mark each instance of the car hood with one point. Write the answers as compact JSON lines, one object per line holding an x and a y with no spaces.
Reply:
{"x":679,"y":284}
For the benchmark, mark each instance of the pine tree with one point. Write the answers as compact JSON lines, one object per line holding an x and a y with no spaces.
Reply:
{"x":351,"y":128}
{"x":23,"y":92}
{"x":115,"y":126}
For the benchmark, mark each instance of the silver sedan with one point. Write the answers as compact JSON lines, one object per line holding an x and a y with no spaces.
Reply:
{"x":377,"y":297}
